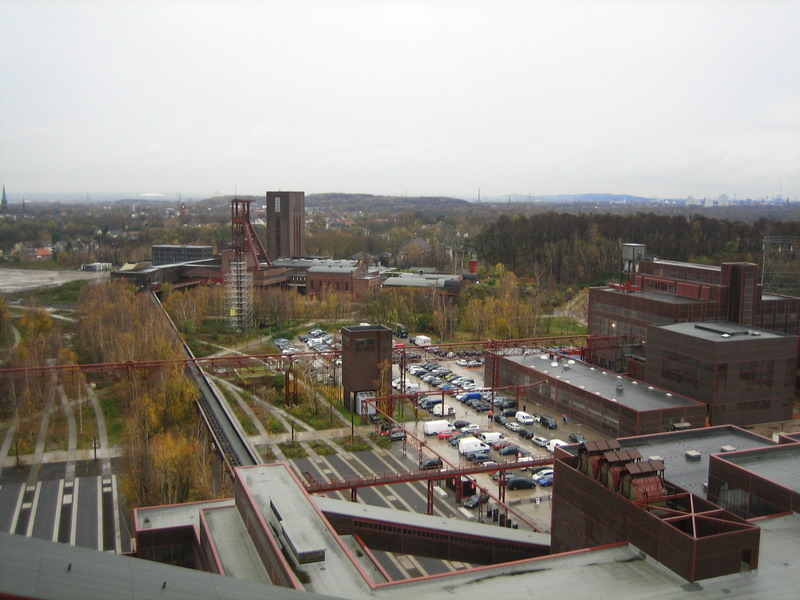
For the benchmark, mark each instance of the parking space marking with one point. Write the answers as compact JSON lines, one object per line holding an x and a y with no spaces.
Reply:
{"x":115,"y":502}
{"x":73,"y":534}
{"x":17,"y":508}
{"x":100,"y":514}
{"x":33,"y":506}
{"x":57,"y":519}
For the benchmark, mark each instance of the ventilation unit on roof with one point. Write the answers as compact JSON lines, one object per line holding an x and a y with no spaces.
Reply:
{"x":727,"y":448}
{"x":693,"y":455}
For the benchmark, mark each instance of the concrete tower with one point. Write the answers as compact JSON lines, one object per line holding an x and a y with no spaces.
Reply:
{"x":286,"y":235}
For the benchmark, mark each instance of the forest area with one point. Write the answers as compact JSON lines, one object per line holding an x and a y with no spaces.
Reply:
{"x":557,"y":249}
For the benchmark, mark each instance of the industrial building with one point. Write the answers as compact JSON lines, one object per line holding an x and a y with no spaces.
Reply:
{"x":365,"y":348}
{"x":653,"y":493}
{"x":662,"y":292}
{"x":709,"y":512}
{"x":744,"y":375}
{"x":597,"y":398}
{"x":169,"y":254}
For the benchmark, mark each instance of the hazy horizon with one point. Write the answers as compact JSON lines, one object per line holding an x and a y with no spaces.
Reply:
{"x":658,"y":99}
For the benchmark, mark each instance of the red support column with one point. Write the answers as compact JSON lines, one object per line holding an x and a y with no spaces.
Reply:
{"x":353,"y":494}
{"x":430,"y":496}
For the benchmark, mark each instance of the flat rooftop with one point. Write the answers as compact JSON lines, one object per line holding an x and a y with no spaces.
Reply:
{"x":176,"y":515}
{"x":635,"y":395}
{"x":34,"y":568}
{"x":724,"y":331}
{"x":780,"y":463}
{"x":692,"y":473}
{"x":432,"y":522}
{"x":660,"y":296}
{"x":234,"y":546}
{"x":274,"y":486}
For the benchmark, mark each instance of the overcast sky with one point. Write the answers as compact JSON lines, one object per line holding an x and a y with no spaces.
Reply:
{"x":664,"y":98}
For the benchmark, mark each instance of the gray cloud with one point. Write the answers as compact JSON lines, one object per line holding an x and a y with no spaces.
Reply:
{"x":666,"y":97}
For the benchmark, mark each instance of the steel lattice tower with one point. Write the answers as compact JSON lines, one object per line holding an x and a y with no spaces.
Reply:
{"x":780,"y":272}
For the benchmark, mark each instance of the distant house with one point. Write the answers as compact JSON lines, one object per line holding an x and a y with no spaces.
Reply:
{"x":35,"y":254}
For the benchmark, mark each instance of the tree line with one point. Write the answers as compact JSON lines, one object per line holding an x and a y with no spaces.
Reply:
{"x":557,"y":248}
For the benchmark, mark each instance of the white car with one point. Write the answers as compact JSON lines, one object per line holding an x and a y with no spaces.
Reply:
{"x":552,"y":444}
{"x":470,"y":428}
{"x":540,"y":474}
{"x":540,"y":441}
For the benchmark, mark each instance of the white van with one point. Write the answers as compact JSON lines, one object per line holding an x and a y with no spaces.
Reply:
{"x":470,"y":444}
{"x":440,"y":410}
{"x":524,"y":418}
{"x":552,"y":444}
{"x":490,"y":437}
{"x":434,"y":427}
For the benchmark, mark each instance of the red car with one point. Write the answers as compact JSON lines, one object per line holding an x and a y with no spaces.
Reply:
{"x":500,"y":444}
{"x":446,"y":434}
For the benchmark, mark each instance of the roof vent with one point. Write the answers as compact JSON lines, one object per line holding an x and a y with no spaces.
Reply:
{"x":620,"y":386}
{"x":655,"y":458}
{"x":693,"y":455}
{"x":727,"y":448}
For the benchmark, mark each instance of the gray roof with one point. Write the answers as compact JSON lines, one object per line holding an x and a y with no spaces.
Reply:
{"x":446,"y":524}
{"x":691,"y":474}
{"x":723,"y":331}
{"x":780,"y":464}
{"x":635,"y":395}
{"x":35,"y":568}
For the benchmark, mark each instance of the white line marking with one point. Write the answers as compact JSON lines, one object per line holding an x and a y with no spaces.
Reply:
{"x":59,"y":500}
{"x":34,"y":504}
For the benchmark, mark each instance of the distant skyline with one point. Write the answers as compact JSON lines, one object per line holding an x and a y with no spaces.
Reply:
{"x":661,"y":98}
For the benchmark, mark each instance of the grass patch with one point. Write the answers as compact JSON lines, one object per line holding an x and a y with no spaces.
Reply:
{"x":354,"y":443}
{"x":66,"y":293}
{"x":381,"y":441}
{"x":273,"y":425}
{"x":115,"y":421}
{"x":316,"y":419}
{"x":244,"y":419}
{"x":266,"y":452}
{"x":322,"y":448}
{"x":57,"y":430}
{"x":86,"y":422}
{"x":293,"y":450}
{"x":27,"y":434}
{"x":561,"y":326}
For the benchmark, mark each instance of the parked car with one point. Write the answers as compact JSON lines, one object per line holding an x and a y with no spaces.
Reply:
{"x":540,"y":441}
{"x":478,"y":457}
{"x":576,"y":438}
{"x":511,"y":450}
{"x":396,"y":435}
{"x":526,"y":433}
{"x":458,"y":424}
{"x":543,"y":473}
{"x":458,"y":436}
{"x":541,"y":468}
{"x":500,"y":444}
{"x":545,"y":481}
{"x":431,"y":463}
{"x":500,"y":419}
{"x":471,"y":428}
{"x":446,"y":434}
{"x":476,"y":500}
{"x":513,"y":426}
{"x":509,"y":412}
{"x":548,"y":422}
{"x":520,"y":483}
